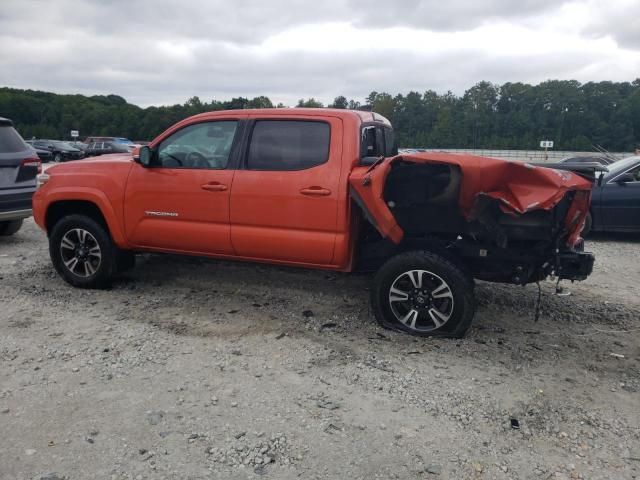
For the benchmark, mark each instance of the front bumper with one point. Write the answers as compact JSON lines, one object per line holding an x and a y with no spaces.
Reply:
{"x":574,"y":265}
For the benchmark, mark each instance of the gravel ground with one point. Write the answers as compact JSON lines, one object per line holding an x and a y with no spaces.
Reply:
{"x":189,"y":368}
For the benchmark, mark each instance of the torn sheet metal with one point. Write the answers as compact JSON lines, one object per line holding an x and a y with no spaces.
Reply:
{"x":519,"y":187}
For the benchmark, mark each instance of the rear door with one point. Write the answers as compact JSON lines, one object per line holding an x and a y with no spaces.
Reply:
{"x":284,"y":200}
{"x":18,"y":170}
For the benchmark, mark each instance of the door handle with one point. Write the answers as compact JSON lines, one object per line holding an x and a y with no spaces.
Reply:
{"x":214,"y":187}
{"x":316,"y":191}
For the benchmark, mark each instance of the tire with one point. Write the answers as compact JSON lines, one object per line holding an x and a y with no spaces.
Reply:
{"x":588,"y":224}
{"x":89,"y":243}
{"x":10,"y":227}
{"x":57,"y":157}
{"x":448,"y":313}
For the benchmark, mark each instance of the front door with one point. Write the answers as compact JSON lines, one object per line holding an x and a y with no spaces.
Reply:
{"x":620,"y":202}
{"x":181,"y":202}
{"x":284,"y":200}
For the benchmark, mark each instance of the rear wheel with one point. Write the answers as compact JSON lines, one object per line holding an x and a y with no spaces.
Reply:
{"x":82,"y":252}
{"x":10,"y":227}
{"x":57,"y":157}
{"x":423,"y":294}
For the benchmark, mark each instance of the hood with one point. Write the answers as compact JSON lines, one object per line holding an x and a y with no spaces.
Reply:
{"x":518,"y":187}
{"x":104,"y":162}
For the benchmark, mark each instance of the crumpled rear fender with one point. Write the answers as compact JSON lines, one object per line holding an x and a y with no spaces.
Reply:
{"x":518,"y":186}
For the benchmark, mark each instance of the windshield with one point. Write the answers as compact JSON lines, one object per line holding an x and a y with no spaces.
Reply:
{"x":66,"y":145}
{"x":123,"y":140}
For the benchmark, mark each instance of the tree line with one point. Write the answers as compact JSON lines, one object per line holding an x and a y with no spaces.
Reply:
{"x":575,"y":116}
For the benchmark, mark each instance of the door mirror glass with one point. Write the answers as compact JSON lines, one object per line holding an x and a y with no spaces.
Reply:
{"x":144,"y":156}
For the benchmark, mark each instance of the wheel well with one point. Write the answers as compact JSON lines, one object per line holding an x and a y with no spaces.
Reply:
{"x":372,"y":254}
{"x":59,"y":210}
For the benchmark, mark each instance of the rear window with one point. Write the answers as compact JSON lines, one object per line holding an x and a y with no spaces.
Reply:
{"x":11,"y":141}
{"x":391,"y":147}
{"x":378,"y":141}
{"x":288,"y":145}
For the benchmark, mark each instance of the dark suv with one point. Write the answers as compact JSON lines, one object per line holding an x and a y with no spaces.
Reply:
{"x":19,"y":166}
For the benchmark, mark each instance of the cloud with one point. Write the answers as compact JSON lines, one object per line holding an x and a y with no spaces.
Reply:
{"x":159,"y":52}
{"x":449,"y":15}
{"x":619,"y":21}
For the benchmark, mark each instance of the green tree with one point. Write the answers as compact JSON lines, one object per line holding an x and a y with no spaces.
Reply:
{"x":340,"y":102}
{"x":309,"y":103}
{"x":513,"y":115}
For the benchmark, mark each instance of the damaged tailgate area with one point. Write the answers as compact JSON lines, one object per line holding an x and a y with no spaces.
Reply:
{"x":506,"y":221}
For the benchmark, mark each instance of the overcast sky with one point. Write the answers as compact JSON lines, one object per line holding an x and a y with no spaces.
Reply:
{"x":155,"y":52}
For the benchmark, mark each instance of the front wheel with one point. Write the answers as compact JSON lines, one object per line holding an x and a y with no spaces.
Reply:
{"x":82,"y":252}
{"x":425,"y":294}
{"x":57,"y":157}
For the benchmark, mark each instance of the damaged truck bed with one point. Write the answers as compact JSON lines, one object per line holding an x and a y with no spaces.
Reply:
{"x":507,"y":221}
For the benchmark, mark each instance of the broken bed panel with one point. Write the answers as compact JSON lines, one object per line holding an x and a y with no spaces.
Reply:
{"x":440,"y":192}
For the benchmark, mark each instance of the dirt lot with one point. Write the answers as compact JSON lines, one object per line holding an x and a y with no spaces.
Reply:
{"x":189,"y":369}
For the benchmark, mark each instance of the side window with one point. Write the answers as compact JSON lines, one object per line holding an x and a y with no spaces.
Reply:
{"x":635,"y":173}
{"x":288,"y":145}
{"x":203,"y":145}
{"x":372,"y":142}
{"x":391,"y":148}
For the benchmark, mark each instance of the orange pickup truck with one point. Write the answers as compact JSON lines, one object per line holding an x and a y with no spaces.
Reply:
{"x":326,"y":189}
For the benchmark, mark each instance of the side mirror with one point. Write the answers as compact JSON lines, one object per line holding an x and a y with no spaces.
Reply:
{"x":143,"y":156}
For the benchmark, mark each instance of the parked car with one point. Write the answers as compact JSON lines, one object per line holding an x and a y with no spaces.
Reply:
{"x":61,"y":151}
{"x":44,"y":155}
{"x":100,"y":148}
{"x":19,"y":166}
{"x":589,"y":159}
{"x":615,"y":206}
{"x":321,"y":188}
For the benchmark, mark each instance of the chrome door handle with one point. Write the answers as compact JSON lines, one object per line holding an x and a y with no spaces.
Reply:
{"x":316,"y":191}
{"x":214,"y":187}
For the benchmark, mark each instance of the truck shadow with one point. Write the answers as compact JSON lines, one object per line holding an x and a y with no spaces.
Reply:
{"x":203,"y":297}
